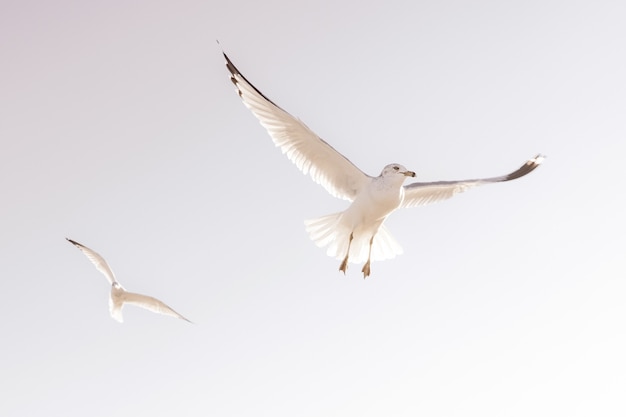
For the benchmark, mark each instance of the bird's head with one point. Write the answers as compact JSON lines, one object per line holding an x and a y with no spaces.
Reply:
{"x":396,"y":170}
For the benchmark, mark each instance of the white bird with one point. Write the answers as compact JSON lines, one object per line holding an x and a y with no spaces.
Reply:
{"x":119,"y":296}
{"x":356,"y":234}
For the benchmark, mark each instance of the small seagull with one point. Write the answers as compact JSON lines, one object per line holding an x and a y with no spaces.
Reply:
{"x":119,"y":296}
{"x":357,"y":234}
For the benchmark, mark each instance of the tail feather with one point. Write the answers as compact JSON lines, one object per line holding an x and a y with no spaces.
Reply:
{"x":330,"y":232}
{"x":321,"y":230}
{"x":116,"y":310}
{"x":385,"y":245}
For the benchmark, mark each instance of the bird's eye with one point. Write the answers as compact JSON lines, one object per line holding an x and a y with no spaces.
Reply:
{"x":396,"y":168}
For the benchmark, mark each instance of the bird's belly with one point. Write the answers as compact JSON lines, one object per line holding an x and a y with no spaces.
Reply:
{"x":369,"y":212}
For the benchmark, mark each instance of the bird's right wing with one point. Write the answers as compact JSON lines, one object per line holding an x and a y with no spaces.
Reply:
{"x":99,"y":262}
{"x":421,"y":193}
{"x":303,"y":147}
{"x":151,"y":303}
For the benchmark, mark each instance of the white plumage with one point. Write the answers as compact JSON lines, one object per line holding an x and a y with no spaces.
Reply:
{"x":356,"y":234}
{"x":119,"y":296}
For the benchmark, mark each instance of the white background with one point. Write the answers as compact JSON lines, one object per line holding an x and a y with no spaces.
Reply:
{"x":120,"y":129}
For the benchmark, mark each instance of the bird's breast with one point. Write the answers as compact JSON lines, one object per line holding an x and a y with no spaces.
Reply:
{"x":385,"y":194}
{"x":376,"y":202}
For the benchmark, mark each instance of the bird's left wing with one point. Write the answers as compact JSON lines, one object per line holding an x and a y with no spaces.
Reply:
{"x":98,"y":261}
{"x":421,"y":193}
{"x":303,"y":147}
{"x":152,"y":304}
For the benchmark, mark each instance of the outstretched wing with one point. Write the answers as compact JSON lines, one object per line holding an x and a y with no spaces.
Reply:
{"x":99,"y":262}
{"x":151,"y":303}
{"x":303,"y":147}
{"x":421,"y":193}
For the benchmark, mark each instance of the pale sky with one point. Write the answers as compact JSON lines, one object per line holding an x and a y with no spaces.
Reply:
{"x":121,"y":130}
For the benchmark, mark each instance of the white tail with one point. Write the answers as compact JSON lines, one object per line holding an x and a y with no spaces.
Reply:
{"x":329,"y":231}
{"x":116,"y":310}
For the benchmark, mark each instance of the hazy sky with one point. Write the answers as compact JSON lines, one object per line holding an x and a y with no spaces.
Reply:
{"x":120,"y":129}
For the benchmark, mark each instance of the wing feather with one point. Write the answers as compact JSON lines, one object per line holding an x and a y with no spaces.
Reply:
{"x":98,"y":261}
{"x":421,"y":193}
{"x":311,"y":154}
{"x":151,"y":304}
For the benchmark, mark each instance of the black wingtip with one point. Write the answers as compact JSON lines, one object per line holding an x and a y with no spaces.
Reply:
{"x":527,"y":168}
{"x":75,"y":243}
{"x":231,"y":67}
{"x":235,"y":76}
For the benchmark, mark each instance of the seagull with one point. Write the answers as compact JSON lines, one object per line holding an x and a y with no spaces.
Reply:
{"x":356,"y":234}
{"x":119,"y":296}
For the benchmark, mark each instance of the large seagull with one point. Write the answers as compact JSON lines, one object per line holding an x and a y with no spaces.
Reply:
{"x":356,"y":234}
{"x":119,"y":296}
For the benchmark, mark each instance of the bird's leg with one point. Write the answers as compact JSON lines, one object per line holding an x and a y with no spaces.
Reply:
{"x":366,"y":267}
{"x":344,"y":263}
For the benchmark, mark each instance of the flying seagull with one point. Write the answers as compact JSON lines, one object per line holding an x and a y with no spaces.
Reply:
{"x":119,"y":296}
{"x":356,"y":234}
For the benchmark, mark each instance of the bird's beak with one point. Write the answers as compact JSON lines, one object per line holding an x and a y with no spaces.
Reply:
{"x":409,"y":173}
